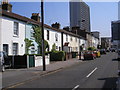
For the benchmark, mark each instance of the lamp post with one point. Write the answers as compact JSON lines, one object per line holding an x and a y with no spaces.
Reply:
{"x":42,"y":26}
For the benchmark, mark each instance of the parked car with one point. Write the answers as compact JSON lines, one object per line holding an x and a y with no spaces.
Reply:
{"x":89,"y":55}
{"x":113,"y":49}
{"x":4,"y":60}
{"x":107,"y":50}
{"x":102,"y":51}
{"x":97,"y":53}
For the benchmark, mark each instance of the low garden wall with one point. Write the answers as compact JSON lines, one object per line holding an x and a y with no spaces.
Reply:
{"x":39,"y":60}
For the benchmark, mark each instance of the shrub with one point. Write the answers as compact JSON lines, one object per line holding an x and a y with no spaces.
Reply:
{"x":91,"y":48}
{"x":57,"y":56}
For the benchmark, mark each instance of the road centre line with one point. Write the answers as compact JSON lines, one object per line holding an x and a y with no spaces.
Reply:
{"x":91,"y":72}
{"x":77,"y":86}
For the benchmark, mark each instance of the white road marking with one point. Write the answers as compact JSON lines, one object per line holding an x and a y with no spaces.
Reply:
{"x":76,"y":87}
{"x":91,"y":72}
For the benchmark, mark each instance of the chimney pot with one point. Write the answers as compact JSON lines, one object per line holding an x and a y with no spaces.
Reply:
{"x":6,"y":6}
{"x":35,"y":16}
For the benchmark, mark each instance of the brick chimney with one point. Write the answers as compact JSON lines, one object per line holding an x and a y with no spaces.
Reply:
{"x":6,"y":6}
{"x":35,"y":16}
{"x":56,"y":25}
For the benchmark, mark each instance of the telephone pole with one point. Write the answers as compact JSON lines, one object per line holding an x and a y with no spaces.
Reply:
{"x":42,"y":26}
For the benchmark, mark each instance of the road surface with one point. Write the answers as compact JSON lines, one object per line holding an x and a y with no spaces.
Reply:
{"x":99,"y":73}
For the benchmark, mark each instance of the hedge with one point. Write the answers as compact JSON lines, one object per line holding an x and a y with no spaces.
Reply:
{"x":57,"y":56}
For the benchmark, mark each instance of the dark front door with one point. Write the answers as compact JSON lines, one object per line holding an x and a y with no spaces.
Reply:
{"x":5,"y":48}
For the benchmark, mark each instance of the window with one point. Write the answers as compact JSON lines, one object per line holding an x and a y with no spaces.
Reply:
{"x":56,"y":37}
{"x":76,"y":48}
{"x":32,"y":34}
{"x":66,"y":37}
{"x":59,"y":48}
{"x":47,"y":34}
{"x":15,"y":48}
{"x":76,"y":39}
{"x":71,"y":38}
{"x":5,"y":48}
{"x":16,"y":26}
{"x":56,"y":47}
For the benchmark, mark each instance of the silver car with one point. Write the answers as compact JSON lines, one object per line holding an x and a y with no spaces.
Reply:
{"x":2,"y":67}
{"x":4,"y":61}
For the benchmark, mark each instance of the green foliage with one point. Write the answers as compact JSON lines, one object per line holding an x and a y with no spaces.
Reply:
{"x":91,"y":48}
{"x":28,"y":44}
{"x":37,"y":34}
{"x":38,"y":37}
{"x":46,"y":44}
{"x":53,"y":48}
{"x":57,"y":56}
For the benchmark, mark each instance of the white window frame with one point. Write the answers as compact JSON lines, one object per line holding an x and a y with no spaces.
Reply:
{"x":16,"y":29}
{"x":16,"y":49}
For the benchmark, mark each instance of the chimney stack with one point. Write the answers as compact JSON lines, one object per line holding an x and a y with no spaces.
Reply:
{"x":56,"y":25}
{"x":67,"y":28}
{"x":6,"y":6}
{"x":35,"y":16}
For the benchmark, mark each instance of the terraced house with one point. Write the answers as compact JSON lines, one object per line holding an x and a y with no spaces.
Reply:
{"x":15,"y":29}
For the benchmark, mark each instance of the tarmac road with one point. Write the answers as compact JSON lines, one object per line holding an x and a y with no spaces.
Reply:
{"x":99,"y":73}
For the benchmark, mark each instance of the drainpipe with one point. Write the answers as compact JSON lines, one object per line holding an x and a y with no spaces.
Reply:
{"x":62,"y":40}
{"x":25,"y":45}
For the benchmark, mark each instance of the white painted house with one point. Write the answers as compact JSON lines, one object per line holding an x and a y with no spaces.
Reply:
{"x":15,"y":28}
{"x":12,"y":36}
{"x":53,"y":37}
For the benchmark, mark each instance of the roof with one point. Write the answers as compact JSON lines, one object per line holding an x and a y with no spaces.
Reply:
{"x":118,"y":21}
{"x":28,"y":20}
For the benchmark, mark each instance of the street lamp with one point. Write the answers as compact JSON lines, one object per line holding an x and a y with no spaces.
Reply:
{"x":42,"y":26}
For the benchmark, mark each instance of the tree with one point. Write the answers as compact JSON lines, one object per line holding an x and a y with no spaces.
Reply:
{"x":28,"y":44}
{"x":53,"y":47}
{"x":38,"y":38}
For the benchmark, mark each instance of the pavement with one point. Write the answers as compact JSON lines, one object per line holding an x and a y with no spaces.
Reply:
{"x":12,"y":77}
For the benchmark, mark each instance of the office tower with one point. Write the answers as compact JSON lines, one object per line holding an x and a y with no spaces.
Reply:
{"x":79,"y":15}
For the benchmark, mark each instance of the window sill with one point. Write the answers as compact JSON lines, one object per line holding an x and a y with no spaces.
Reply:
{"x":16,"y":36}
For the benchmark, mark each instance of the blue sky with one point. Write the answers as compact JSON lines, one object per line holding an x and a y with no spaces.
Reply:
{"x":102,"y":13}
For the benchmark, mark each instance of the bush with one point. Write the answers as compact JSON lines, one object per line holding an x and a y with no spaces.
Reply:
{"x":57,"y":56}
{"x":91,"y":48}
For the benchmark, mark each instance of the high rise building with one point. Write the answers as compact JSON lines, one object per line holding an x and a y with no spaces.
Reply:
{"x":119,"y":10}
{"x":79,"y":15}
{"x":116,"y":33}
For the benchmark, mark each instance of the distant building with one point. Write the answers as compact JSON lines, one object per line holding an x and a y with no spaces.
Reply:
{"x":105,"y":42}
{"x":96,"y":34}
{"x":80,"y":15}
{"x":119,"y":10}
{"x":115,"y":27}
{"x":96,"y":39}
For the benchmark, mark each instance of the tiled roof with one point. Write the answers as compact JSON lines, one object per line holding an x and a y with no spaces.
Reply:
{"x":28,"y":20}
